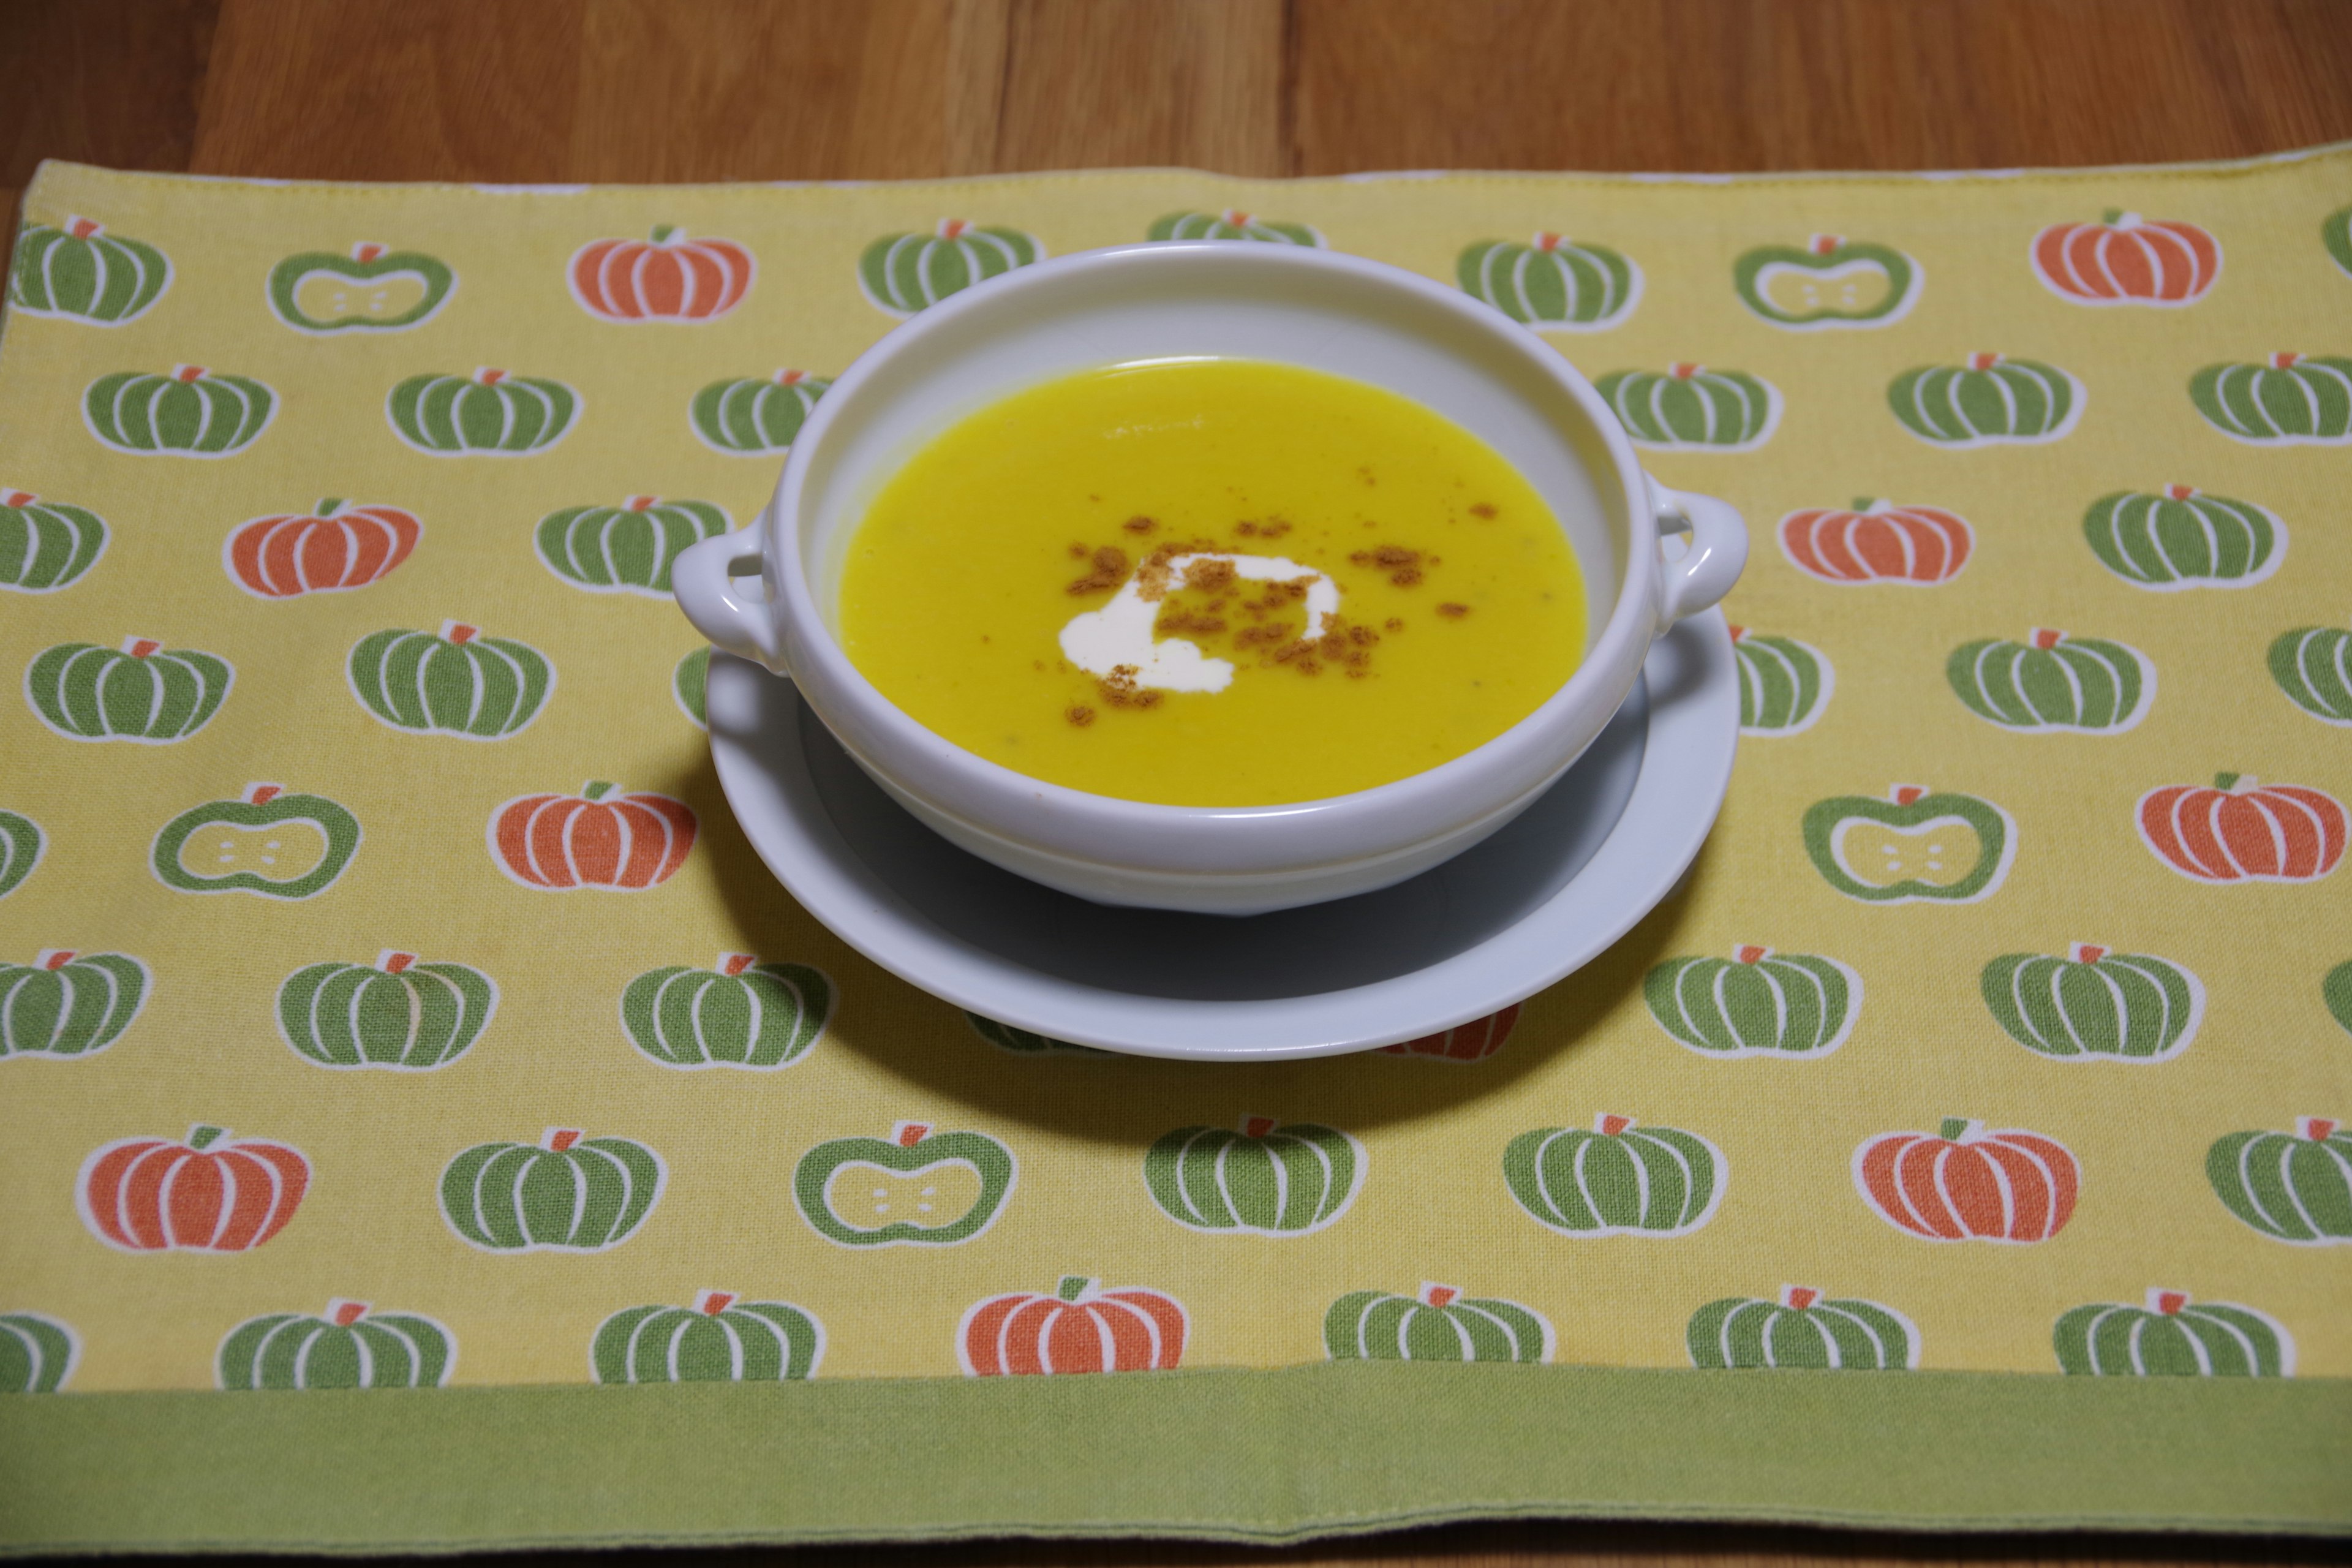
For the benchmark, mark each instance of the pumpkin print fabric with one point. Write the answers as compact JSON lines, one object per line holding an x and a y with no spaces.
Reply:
{"x":479,"y":1010}
{"x":718,"y":1340}
{"x":351,"y":1346}
{"x":46,"y":545}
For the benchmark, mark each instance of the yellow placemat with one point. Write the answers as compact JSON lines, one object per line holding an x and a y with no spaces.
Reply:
{"x":387,"y":997}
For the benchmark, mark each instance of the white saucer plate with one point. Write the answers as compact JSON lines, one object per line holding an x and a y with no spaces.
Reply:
{"x":1491,"y":927}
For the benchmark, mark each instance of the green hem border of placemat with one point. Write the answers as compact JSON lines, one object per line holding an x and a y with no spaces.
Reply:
{"x":1263,"y":1457}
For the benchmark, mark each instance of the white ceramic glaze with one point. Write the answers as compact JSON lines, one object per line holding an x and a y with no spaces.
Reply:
{"x":1331,"y":313}
{"x":1538,"y":900}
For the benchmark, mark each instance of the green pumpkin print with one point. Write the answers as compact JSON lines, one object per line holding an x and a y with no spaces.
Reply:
{"x":2095,"y":1005}
{"x":900,"y":274}
{"x":1231,"y":224}
{"x":2295,"y":1187}
{"x":2181,"y":538}
{"x":625,"y":548}
{"x":1023,"y":1042}
{"x":78,"y":271}
{"x":740,"y":1013}
{"x":2052,"y":683}
{"x":458,"y":682}
{"x":567,"y":1194}
{"x":917,"y":1187}
{"x":2335,"y":990}
{"x":2172,"y":1336}
{"x":37,"y":1353}
{"x":1757,"y":1002}
{"x":1618,"y":1179}
{"x":1917,"y":844}
{"x":1690,"y":408}
{"x":1784,"y":685}
{"x":373,"y":289}
{"x":1270,"y":1178}
{"x":489,"y":414}
{"x":1435,"y":1323}
{"x":46,"y":545}
{"x":755,"y":415}
{"x":720,"y":1339}
{"x":1990,"y":401}
{"x":2288,"y":400}
{"x":69,"y":1004}
{"x":144,"y":693}
{"x":1829,"y":281}
{"x":397,"y":1013}
{"x":1801,"y":1330}
{"x":2335,"y":234}
{"x":350,"y":1346}
{"x":1551,"y":282}
{"x":190,"y":413}
{"x":266,"y":842}
{"x":689,"y":684}
{"x":2313,"y":665}
{"x":21,"y":843}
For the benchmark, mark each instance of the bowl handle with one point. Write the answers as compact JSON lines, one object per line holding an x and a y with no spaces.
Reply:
{"x":703,"y":578}
{"x":1718,"y":549}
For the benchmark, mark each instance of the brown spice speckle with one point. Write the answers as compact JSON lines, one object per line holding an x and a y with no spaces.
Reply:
{"x":1176,"y":621}
{"x":1079,"y":715}
{"x":1121,"y":689}
{"x":1110,"y":565}
{"x":1482,"y":510}
{"x":1139,"y":524}
{"x":1453,"y":612}
{"x":1401,"y":563}
{"x":1213,"y":575}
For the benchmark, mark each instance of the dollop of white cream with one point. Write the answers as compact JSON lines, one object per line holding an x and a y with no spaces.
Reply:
{"x":1101,"y":641}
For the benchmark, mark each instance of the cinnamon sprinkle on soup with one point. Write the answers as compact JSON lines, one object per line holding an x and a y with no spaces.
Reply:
{"x":1185,"y":663}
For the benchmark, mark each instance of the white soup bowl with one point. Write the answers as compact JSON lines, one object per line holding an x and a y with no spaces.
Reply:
{"x":1335,"y":313}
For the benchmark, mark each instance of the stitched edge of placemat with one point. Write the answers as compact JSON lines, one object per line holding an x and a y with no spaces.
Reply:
{"x":2257,"y":164}
{"x":1267,"y":1457}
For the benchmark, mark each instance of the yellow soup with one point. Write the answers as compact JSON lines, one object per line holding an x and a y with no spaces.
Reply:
{"x":1212,"y":583}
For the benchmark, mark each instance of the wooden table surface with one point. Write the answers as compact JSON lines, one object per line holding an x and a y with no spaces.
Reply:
{"x":561,"y":90}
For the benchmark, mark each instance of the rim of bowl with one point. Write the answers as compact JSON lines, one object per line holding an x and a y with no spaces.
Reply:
{"x":1633,"y":618}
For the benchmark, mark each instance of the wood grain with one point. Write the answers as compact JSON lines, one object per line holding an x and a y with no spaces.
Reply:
{"x":804,"y":90}
{"x":553,"y":90}
{"x":106,"y":81}
{"x":1814,"y":84}
{"x":1106,"y":83}
{"x":394,"y":89}
{"x":561,"y":90}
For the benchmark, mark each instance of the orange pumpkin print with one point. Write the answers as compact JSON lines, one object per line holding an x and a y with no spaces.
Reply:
{"x":1963,"y":1184}
{"x":1472,"y":1042}
{"x":2242,"y":830}
{"x":1081,"y":1327}
{"x":336,"y":547}
{"x":597,"y":838}
{"x":666,"y":279}
{"x":2126,"y":259}
{"x":211,"y":1194}
{"x":1878,"y":542}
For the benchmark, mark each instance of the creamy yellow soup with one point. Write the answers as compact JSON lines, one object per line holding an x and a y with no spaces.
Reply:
{"x":1212,"y":583}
